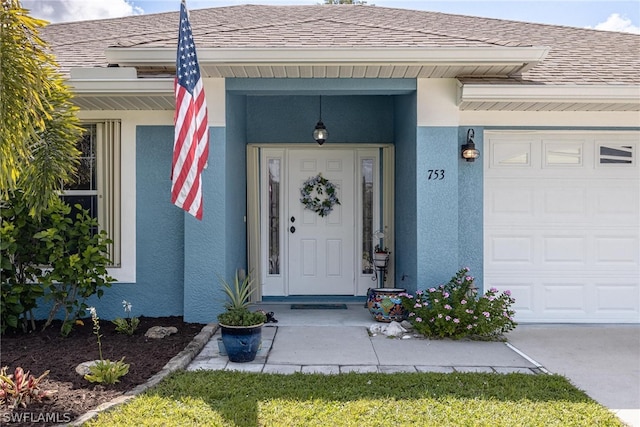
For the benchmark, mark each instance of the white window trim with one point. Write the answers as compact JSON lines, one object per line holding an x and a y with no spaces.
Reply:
{"x":107,"y":185}
{"x":107,"y":190}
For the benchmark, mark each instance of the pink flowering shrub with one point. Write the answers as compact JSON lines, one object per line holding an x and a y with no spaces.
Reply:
{"x":454,"y":310}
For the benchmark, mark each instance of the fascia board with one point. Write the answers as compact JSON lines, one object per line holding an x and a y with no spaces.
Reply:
{"x":121,"y":86}
{"x":548,"y":93}
{"x":346,"y":56}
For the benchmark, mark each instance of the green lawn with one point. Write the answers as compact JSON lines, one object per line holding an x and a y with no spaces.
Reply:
{"x":222,"y":398}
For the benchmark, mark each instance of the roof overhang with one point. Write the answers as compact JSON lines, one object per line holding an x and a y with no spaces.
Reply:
{"x":388,"y":62}
{"x":120,"y":88}
{"x":532,"y":97}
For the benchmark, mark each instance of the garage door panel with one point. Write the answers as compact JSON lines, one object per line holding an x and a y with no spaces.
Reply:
{"x":617,"y":202}
{"x":508,"y":249}
{"x":567,"y":297}
{"x":619,"y":250}
{"x":566,"y":201}
{"x":557,"y":201}
{"x":616,"y":297}
{"x":562,"y":226}
{"x":611,"y":252}
{"x":565,"y":249}
{"x":508,"y":201}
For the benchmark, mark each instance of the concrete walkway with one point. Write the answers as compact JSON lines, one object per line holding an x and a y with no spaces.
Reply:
{"x":602,"y":360}
{"x":339,"y":349}
{"x":335,"y":341}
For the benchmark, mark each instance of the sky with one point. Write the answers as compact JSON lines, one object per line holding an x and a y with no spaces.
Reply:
{"x":611,"y":15}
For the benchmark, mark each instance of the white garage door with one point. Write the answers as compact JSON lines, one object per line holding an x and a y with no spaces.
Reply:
{"x":562,"y":224}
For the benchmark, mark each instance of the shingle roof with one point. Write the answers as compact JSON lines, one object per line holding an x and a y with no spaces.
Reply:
{"x":577,"y":56}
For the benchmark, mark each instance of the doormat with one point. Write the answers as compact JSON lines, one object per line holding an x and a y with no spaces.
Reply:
{"x":318,"y":306}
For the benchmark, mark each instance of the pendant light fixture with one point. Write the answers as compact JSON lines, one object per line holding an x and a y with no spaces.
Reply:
{"x":320,"y":133}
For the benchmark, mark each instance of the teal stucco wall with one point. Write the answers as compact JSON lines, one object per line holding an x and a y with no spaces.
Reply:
{"x":160,"y":250}
{"x":179,"y":260}
{"x":406,"y":239}
{"x":470,"y":208}
{"x":437,"y":204}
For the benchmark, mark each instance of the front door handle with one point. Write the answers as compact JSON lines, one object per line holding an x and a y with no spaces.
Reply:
{"x":292,"y":229}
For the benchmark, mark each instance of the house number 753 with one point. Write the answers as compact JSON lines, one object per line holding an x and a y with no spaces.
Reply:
{"x":435,"y":174}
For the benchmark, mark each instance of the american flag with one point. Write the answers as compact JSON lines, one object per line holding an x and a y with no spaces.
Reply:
{"x":191,"y":142}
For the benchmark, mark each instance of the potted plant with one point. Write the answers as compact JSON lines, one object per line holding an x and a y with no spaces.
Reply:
{"x":384,"y":304}
{"x":380,"y":256}
{"x":241,"y":328}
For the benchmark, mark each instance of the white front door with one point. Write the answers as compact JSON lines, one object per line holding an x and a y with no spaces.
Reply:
{"x":321,"y":249}
{"x":295,"y":251}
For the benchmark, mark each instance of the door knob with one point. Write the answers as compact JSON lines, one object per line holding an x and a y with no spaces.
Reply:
{"x":292,"y":229}
{"x":293,"y":219}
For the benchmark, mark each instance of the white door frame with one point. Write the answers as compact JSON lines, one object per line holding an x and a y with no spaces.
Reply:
{"x":256,"y":241}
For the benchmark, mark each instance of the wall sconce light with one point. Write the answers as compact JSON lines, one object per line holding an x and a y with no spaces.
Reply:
{"x":468,"y":151}
{"x":320,"y":133}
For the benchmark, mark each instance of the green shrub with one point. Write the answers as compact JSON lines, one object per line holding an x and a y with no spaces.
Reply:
{"x":21,"y":259}
{"x":78,"y":256}
{"x":454,"y":310}
{"x":56,"y":256}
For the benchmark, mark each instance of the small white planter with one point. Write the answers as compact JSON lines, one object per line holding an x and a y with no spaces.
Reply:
{"x":380,"y":259}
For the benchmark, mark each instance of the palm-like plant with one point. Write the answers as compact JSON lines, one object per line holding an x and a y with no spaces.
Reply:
{"x":239,"y":293}
{"x":238,"y":301}
{"x":39,"y":125}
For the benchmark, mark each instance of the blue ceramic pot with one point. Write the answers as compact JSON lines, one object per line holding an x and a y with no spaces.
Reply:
{"x":385,"y":304}
{"x":242,"y":342}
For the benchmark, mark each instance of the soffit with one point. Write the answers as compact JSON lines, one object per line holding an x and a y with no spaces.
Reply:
{"x":523,"y":96}
{"x":157,"y":94}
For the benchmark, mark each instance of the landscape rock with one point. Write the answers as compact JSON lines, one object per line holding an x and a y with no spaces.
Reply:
{"x":407,"y":325}
{"x":83,"y":368}
{"x":377,"y":328}
{"x":394,"y":330}
{"x":160,"y":332}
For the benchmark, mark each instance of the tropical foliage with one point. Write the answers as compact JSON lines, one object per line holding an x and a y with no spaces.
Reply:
{"x":39,"y":124}
{"x":55,"y":258}
{"x":21,"y":389}
{"x":21,"y":259}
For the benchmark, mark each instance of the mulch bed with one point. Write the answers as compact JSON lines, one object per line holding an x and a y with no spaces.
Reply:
{"x":48,"y":350}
